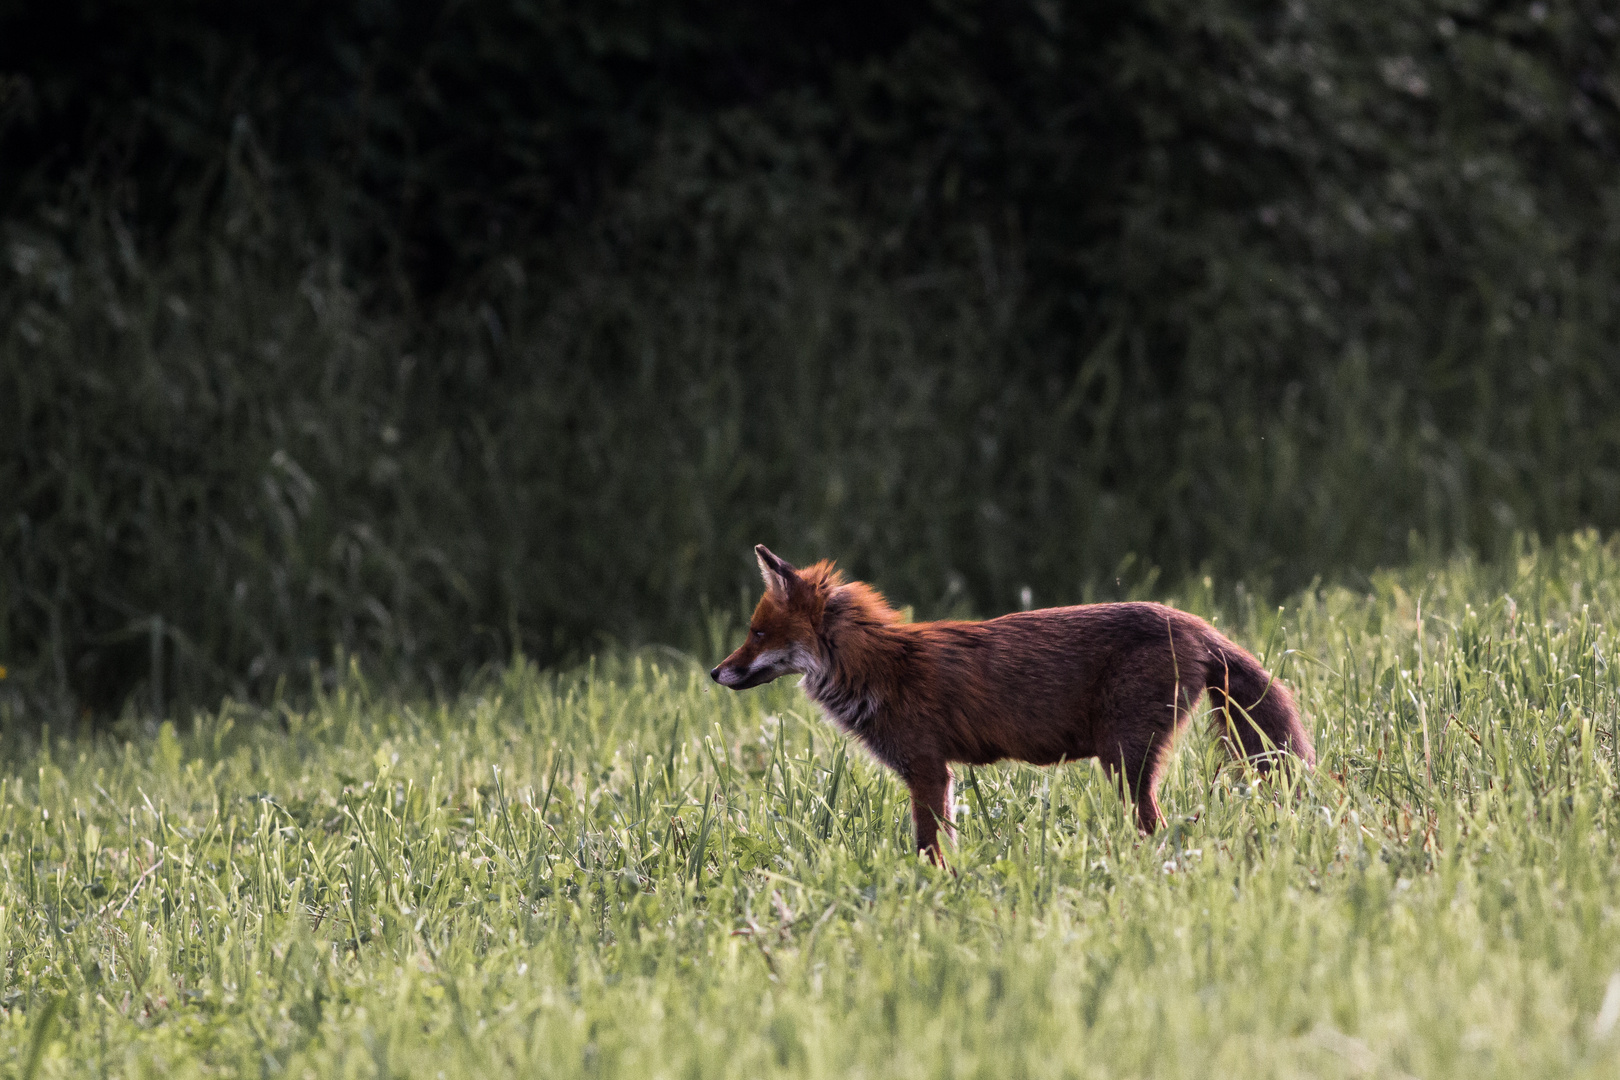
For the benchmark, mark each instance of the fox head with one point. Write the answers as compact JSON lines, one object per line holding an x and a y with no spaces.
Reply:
{"x":782,"y":635}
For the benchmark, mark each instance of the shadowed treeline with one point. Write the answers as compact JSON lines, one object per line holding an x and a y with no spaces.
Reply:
{"x":426,"y":332}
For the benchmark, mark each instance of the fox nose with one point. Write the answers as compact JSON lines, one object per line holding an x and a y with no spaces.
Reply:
{"x":714,"y":673}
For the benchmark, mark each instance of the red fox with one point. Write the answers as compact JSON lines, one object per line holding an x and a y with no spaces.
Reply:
{"x":1111,"y":681}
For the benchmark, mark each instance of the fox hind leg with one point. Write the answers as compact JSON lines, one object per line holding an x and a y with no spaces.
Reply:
{"x":1137,"y":770}
{"x":1140,"y":749}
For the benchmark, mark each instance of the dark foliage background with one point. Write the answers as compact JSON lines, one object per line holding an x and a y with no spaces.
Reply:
{"x":423,"y":331}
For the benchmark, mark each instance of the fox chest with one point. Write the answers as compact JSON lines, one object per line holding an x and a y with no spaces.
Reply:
{"x":853,"y":710}
{"x":862,"y":717}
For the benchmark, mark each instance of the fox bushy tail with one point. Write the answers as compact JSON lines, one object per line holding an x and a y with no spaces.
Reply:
{"x":1254,"y":713}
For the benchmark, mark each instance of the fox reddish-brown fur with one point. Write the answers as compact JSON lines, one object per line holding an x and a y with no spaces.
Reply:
{"x":1110,"y":681}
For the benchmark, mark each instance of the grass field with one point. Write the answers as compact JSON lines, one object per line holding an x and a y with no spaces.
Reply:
{"x":620,"y":870}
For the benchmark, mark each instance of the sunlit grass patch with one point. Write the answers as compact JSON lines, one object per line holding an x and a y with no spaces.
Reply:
{"x":621,"y":870}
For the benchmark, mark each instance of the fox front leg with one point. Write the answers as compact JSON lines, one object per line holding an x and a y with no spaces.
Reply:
{"x":931,"y":808}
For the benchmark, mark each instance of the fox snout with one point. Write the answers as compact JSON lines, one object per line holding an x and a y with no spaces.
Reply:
{"x":748,"y":672}
{"x":734,"y":676}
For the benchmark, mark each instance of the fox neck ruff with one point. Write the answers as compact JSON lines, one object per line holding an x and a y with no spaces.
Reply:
{"x":860,"y":646}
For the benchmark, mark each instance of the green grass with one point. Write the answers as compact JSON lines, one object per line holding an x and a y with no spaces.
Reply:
{"x":619,"y":870}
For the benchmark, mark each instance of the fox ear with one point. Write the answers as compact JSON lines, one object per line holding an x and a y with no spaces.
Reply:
{"x":778,"y":573}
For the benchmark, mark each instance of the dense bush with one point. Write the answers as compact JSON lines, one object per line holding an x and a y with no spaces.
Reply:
{"x":427,"y":332}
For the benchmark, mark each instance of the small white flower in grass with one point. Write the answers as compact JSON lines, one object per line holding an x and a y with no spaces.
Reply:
{"x":767,"y":730}
{"x":1609,"y":1013}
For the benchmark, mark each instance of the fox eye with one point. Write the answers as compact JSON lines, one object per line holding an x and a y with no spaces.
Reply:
{"x":759,"y":635}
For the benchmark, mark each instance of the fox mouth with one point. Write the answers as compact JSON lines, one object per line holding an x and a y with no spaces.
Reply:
{"x":743,"y":680}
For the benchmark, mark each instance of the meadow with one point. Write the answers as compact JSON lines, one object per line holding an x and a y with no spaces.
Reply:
{"x":619,"y":869}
